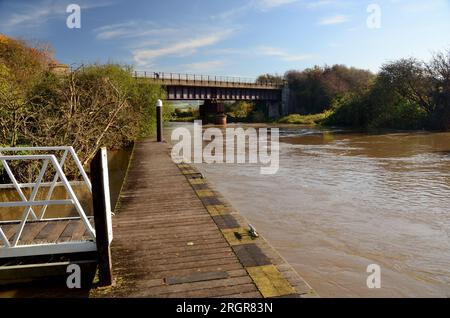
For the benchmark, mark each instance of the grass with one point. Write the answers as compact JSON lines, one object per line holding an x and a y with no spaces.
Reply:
{"x":315,"y":119}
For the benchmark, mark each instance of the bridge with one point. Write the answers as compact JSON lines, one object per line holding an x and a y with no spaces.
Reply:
{"x":215,"y":90}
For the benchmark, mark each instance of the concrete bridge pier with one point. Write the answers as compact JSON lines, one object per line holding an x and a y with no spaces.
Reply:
{"x":273,"y":109}
{"x":212,"y":111}
{"x":285,"y":100}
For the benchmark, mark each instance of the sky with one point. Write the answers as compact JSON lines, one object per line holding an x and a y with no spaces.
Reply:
{"x":233,"y":37}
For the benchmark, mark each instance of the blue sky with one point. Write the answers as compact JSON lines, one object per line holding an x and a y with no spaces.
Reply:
{"x":233,"y":37}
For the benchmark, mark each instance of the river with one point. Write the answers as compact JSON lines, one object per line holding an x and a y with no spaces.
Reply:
{"x":342,"y":200}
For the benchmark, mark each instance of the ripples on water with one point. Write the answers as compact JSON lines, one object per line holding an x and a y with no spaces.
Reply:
{"x":342,"y":201}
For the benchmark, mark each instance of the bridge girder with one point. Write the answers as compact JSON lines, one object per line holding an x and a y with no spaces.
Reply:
{"x":222,"y":93}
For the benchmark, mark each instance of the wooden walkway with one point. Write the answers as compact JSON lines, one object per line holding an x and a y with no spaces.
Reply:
{"x":174,"y":236}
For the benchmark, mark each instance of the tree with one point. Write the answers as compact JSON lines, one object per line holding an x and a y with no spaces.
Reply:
{"x":314,"y":89}
{"x":21,"y":67}
{"x":270,"y":79}
{"x":438,"y":71}
{"x":408,"y":78}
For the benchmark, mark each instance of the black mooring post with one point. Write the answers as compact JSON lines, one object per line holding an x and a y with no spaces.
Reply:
{"x":159,"y":121}
{"x":102,"y":215}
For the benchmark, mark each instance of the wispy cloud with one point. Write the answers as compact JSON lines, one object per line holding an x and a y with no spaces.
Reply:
{"x":259,"y":5}
{"x":146,"y":56}
{"x":337,"y":19}
{"x":269,"y":4}
{"x":132,"y":29}
{"x":204,"y":67}
{"x":32,"y":17}
{"x":40,"y":12}
{"x":319,"y":4}
{"x":283,"y":55}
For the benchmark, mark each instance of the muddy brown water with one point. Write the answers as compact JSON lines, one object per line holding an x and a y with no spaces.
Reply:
{"x":342,"y":200}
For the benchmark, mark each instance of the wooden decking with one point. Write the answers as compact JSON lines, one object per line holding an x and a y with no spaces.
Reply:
{"x":40,"y":232}
{"x":174,"y":236}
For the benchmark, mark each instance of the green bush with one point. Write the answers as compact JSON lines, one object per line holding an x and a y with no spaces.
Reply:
{"x":375,"y":108}
{"x":240,"y":111}
{"x":140,"y":94}
{"x":315,"y":119}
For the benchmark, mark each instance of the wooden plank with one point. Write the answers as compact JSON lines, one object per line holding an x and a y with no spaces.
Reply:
{"x":201,"y":285}
{"x":251,"y":294}
{"x":54,"y":232}
{"x":196,"y":277}
{"x":30,"y":231}
{"x":212,"y":292}
{"x":66,"y":235}
{"x":78,"y":231}
{"x":9,"y":230}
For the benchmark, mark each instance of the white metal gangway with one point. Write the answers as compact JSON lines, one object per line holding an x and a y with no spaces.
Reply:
{"x":34,"y":210}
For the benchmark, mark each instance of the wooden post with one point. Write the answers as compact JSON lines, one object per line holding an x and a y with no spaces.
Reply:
{"x":102,"y":215}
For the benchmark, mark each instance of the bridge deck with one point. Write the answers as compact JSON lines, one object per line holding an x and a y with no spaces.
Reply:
{"x":175,"y":237}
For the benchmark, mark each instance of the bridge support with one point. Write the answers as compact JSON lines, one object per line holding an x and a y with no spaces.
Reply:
{"x":285,"y":100}
{"x":273,"y":110}
{"x":213,"y":111}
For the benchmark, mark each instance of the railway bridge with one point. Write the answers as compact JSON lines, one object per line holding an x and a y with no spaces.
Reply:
{"x":215,"y":90}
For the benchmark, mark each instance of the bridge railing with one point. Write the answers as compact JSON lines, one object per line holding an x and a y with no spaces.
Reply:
{"x":183,"y":78}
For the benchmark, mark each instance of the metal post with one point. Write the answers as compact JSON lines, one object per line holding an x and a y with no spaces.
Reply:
{"x":102,"y":215}
{"x":159,"y":120}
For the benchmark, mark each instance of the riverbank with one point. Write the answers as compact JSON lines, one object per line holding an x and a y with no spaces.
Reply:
{"x":297,"y":119}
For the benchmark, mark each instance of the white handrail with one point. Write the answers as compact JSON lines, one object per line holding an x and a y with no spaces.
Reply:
{"x":29,"y":203}
{"x":43,"y":184}
{"x":67,"y":150}
{"x":55,"y":148}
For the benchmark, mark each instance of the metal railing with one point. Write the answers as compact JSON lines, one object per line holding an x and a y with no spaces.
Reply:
{"x":48,"y":160}
{"x":209,"y":80}
{"x":199,"y":79}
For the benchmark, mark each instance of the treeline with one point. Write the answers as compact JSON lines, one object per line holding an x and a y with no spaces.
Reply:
{"x":90,"y":107}
{"x":313,"y":90}
{"x":405,"y":94}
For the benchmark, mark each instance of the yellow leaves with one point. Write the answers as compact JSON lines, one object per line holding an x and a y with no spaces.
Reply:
{"x":4,"y":70}
{"x":3,"y":39}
